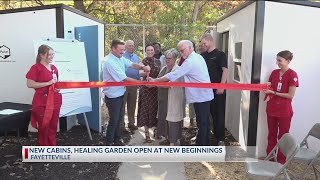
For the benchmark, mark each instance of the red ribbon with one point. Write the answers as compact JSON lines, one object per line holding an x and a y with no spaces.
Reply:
{"x":48,"y":111}
{"x":70,"y":85}
{"x":250,"y":87}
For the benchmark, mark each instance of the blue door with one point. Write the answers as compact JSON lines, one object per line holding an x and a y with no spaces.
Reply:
{"x":89,"y":35}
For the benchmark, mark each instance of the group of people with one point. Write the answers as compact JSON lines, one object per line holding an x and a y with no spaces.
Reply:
{"x":163,"y":108}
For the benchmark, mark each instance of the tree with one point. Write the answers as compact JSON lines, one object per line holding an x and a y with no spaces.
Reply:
{"x":166,"y":21}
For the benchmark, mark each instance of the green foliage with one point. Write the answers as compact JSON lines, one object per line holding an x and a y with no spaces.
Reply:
{"x":166,"y":22}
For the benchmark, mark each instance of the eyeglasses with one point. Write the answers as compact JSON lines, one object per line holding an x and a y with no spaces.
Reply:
{"x":182,"y":50}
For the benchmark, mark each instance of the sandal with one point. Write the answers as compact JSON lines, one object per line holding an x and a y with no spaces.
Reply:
{"x":155,"y":134}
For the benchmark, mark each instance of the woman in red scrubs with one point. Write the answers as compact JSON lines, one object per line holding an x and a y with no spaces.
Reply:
{"x":40,"y":77}
{"x":283,"y":83}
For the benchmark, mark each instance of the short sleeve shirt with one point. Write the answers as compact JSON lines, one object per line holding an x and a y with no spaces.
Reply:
{"x":278,"y":106}
{"x":215,"y":60}
{"x":39,"y":73}
{"x":114,"y":70}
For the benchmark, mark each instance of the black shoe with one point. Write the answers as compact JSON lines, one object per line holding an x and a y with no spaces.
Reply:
{"x":125,"y":131}
{"x":133,"y":127}
{"x":109,"y":144}
{"x":164,"y":142}
{"x":119,"y":143}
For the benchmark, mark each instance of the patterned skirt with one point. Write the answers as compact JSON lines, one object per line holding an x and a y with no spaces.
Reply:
{"x":147,"y":107}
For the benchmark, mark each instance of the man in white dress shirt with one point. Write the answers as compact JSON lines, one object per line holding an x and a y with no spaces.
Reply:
{"x":194,"y":69}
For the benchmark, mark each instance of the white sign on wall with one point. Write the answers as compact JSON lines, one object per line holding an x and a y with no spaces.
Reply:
{"x":70,"y":59}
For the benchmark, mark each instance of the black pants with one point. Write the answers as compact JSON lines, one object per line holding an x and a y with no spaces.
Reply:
{"x":203,"y":122}
{"x":217,"y":110}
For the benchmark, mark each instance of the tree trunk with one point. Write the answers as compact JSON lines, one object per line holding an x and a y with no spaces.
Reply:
{"x":194,"y":15}
{"x":195,"y":11}
{"x":183,"y":23}
{"x":79,"y":4}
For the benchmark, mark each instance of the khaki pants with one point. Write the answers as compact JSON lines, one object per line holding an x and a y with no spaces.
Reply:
{"x":192,"y":113}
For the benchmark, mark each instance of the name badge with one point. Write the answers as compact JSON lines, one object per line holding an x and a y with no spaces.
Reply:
{"x":54,"y":76}
{"x":279,"y":86}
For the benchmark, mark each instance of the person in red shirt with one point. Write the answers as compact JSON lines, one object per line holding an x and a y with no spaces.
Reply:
{"x":283,"y":84}
{"x":40,"y":77}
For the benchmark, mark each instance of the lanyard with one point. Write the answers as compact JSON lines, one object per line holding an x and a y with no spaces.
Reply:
{"x":279,"y":83}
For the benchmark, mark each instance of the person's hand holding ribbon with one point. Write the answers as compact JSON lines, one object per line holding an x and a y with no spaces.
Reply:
{"x":146,"y":69}
{"x":269,"y":92}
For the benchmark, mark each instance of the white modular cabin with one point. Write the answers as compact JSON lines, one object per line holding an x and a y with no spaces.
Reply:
{"x":252,"y":35}
{"x":18,"y":30}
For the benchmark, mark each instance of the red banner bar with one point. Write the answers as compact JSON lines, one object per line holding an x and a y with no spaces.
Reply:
{"x":251,"y":87}
{"x":71,"y":85}
{"x":26,"y":153}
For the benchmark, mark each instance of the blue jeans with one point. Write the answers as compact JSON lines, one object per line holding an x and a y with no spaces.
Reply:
{"x":114,"y":106}
{"x":203,"y":122}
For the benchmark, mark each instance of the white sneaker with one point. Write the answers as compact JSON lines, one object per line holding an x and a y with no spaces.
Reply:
{"x":177,"y":143}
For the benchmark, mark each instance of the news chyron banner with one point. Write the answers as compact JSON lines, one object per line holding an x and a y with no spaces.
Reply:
{"x":123,"y":154}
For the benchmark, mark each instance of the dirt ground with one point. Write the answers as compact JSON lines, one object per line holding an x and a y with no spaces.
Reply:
{"x":229,"y":170}
{"x":11,"y":166}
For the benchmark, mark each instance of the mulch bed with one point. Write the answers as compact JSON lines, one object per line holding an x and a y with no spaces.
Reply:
{"x":188,"y":134}
{"x":11,"y":166}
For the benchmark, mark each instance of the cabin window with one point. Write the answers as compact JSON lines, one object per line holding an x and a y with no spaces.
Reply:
{"x":237,"y":61}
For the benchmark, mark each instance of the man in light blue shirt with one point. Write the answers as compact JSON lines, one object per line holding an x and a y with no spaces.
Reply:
{"x":130,"y":96}
{"x":114,"y":71}
{"x":194,"y":69}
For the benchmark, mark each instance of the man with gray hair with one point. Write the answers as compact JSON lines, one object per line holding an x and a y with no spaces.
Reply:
{"x":194,"y":69}
{"x":130,"y":96}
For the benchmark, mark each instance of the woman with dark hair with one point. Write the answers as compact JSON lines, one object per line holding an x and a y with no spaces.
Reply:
{"x":148,"y":102}
{"x":40,"y":77}
{"x":158,"y":53}
{"x":157,"y":50}
{"x":283,"y":82}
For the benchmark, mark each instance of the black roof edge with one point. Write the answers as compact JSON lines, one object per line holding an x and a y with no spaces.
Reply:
{"x":7,"y":11}
{"x":247,"y":3}
{"x":52,"y":6}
